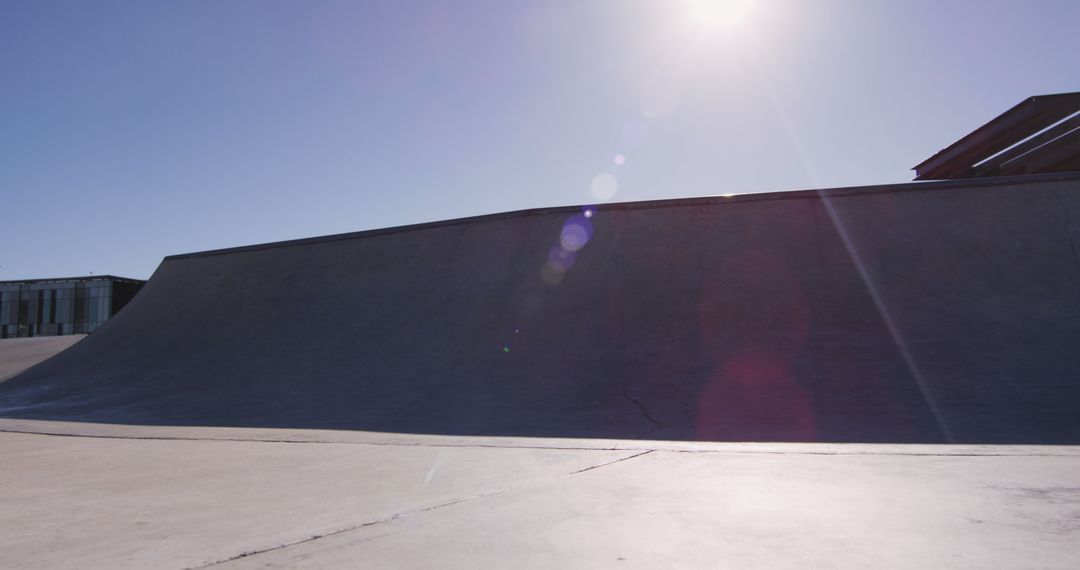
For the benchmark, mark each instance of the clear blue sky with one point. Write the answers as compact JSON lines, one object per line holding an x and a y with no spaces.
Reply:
{"x":134,"y":130}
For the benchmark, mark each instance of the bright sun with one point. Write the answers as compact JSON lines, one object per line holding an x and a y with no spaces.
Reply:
{"x":719,"y":14}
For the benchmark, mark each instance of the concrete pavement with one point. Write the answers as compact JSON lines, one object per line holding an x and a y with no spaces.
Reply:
{"x":92,"y":496}
{"x":439,"y":396}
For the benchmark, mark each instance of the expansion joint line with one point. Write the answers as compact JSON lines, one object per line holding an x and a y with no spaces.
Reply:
{"x":416,"y":511}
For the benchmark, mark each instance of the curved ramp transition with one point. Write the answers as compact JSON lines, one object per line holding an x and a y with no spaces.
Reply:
{"x":951,"y":312}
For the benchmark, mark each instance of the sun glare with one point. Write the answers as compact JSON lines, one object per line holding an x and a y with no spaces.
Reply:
{"x":719,"y":14}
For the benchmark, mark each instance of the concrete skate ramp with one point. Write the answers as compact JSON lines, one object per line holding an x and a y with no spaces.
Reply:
{"x":742,"y":318}
{"x":18,"y":354}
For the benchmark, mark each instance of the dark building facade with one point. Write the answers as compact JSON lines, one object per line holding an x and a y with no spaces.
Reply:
{"x":73,"y":305}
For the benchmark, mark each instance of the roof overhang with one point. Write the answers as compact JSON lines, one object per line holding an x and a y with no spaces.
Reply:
{"x":1040,"y":134}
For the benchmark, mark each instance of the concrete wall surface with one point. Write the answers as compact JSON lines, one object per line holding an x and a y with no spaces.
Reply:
{"x":939,"y":312}
{"x":18,"y":354}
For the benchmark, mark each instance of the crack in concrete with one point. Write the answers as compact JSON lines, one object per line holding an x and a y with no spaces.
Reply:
{"x":644,"y":413}
{"x":416,"y":511}
{"x":627,"y":458}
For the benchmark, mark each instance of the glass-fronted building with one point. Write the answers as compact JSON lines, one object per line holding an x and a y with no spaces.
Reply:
{"x":74,"y":305}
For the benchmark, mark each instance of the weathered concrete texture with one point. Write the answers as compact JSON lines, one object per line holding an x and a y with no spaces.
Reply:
{"x":743,"y":319}
{"x":126,"y":502}
{"x":108,"y":503}
{"x":18,"y":354}
{"x":684,"y":510}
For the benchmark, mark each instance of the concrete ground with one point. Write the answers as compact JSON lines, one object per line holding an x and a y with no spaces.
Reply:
{"x":709,"y":319}
{"x":18,"y":354}
{"x":104,"y":496}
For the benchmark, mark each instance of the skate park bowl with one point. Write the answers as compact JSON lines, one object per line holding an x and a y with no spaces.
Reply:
{"x":938,"y":312}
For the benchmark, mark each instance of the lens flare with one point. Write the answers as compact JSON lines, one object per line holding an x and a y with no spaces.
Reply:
{"x":561,"y":258}
{"x":604,"y":186}
{"x":576,"y":233}
{"x":551,"y":275}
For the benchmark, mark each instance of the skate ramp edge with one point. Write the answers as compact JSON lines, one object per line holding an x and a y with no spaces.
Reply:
{"x":914,"y":313}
